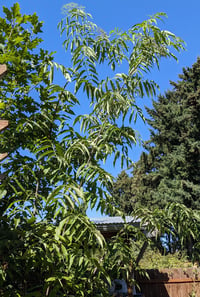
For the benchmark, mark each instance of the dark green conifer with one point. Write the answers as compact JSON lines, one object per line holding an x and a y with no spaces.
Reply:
{"x":169,"y":168}
{"x":122,"y":192}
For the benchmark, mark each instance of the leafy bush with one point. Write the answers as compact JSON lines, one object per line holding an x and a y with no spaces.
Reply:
{"x":153,"y":259}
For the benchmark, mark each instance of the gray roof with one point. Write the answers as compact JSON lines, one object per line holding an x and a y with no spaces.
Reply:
{"x":109,"y":224}
{"x":113,"y":224}
{"x":113,"y":220}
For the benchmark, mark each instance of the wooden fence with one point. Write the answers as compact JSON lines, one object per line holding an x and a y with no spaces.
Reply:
{"x":3,"y":123}
{"x":176,"y":282}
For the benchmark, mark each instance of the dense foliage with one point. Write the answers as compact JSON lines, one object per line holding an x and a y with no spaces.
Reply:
{"x":169,"y":169}
{"x":54,"y":172}
{"x":122,"y":192}
{"x":153,"y":259}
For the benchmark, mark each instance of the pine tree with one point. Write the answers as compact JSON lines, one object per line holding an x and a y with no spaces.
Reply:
{"x":122,"y":192}
{"x":167,"y":174}
{"x":169,"y":169}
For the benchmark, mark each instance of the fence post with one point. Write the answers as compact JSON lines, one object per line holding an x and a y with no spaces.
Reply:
{"x":3,"y":70}
{"x":3,"y":123}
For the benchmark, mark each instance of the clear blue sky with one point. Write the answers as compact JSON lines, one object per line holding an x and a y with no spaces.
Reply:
{"x":183,"y":20}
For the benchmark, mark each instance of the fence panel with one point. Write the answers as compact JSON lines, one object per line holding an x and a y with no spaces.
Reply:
{"x":176,"y":282}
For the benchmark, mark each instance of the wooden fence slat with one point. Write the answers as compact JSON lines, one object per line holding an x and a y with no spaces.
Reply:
{"x":3,"y":70}
{"x":3,"y":156}
{"x":181,"y":280}
{"x":3,"y":124}
{"x":174,"y":282}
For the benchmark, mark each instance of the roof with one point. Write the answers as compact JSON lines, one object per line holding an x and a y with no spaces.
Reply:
{"x":113,"y":224}
{"x":114,"y":220}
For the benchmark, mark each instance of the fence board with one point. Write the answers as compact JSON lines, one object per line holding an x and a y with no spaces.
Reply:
{"x":3,"y":124}
{"x":3,"y":70}
{"x":3,"y":156}
{"x":177,"y":282}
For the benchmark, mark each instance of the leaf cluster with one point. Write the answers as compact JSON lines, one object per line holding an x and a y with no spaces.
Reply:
{"x":54,"y":171}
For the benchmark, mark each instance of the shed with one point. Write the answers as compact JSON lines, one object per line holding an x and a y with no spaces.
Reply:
{"x":110,"y":226}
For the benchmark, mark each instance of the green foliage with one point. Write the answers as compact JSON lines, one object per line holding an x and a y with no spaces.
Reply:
{"x":176,"y":228}
{"x":169,"y":170}
{"x":54,"y":170}
{"x":153,"y":259}
{"x":122,"y":194}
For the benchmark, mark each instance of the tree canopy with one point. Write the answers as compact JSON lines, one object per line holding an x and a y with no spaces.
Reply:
{"x":168,"y":170}
{"x":54,"y":171}
{"x":122,"y":193}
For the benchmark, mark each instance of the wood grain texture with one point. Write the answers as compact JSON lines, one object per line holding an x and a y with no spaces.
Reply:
{"x":3,"y":156}
{"x":3,"y":124}
{"x":3,"y":70}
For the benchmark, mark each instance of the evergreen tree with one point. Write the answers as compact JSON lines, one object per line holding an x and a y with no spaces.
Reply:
{"x":168,"y":171}
{"x":169,"y":168}
{"x":122,"y":192}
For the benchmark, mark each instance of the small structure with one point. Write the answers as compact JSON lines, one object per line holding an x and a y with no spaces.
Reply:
{"x":110,"y":226}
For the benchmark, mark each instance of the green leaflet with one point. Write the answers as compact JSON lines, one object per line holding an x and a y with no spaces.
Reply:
{"x":54,"y":170}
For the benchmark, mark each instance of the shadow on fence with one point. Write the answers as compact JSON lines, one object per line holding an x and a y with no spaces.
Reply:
{"x":176,"y":282}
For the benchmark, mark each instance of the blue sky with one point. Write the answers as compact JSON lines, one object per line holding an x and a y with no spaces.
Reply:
{"x":183,"y":20}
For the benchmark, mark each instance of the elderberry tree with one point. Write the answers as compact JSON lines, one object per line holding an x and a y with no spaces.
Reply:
{"x":55,"y":169}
